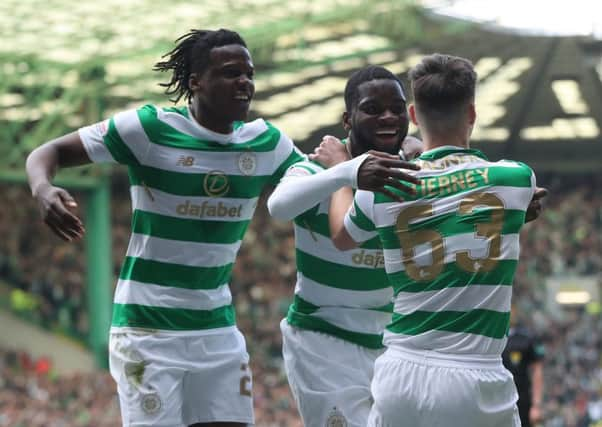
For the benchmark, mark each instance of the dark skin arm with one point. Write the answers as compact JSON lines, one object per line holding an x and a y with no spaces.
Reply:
{"x":56,"y":205}
{"x":535,"y":207}
{"x":376,"y":172}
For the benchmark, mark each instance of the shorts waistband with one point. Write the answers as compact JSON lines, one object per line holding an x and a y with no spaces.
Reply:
{"x":434,"y":358}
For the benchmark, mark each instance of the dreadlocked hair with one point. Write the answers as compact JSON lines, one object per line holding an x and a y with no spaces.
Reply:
{"x":191,"y":55}
{"x":366,"y":74}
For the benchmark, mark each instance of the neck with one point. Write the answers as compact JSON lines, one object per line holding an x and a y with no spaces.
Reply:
{"x":354,"y":148}
{"x":205,"y":118}
{"x":435,"y":141}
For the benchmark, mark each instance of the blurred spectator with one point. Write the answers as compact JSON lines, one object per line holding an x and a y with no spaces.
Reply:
{"x":566,"y":239}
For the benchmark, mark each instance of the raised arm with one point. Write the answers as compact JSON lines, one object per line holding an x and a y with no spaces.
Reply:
{"x":306,"y":185}
{"x":56,"y":204}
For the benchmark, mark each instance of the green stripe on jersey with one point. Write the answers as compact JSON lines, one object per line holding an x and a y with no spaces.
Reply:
{"x":161,"y":133}
{"x":453,"y":276}
{"x":174,"y":319}
{"x":188,"y":230}
{"x":318,"y":223}
{"x":191,"y":184}
{"x":180,"y":220}
{"x":340,"y":276}
{"x":360,"y":219}
{"x":117,"y":147}
{"x":307,"y":307}
{"x":453,"y":223}
{"x":174,"y":275}
{"x":489,"y":323}
{"x":462,"y":181}
{"x":293,"y":158}
{"x":299,"y":315}
{"x":304,"y":321}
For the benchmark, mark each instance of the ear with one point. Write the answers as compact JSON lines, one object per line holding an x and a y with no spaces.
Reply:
{"x":194,"y":82}
{"x":346,"y":121}
{"x":412,"y":111}
{"x":472,"y":114}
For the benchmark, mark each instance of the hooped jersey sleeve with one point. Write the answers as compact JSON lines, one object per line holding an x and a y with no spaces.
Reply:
{"x":120,"y":139}
{"x":359,"y":220}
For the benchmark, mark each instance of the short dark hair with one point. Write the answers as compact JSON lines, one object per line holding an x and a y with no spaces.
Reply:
{"x":366,"y":74}
{"x":442,"y":85}
{"x":191,"y":55}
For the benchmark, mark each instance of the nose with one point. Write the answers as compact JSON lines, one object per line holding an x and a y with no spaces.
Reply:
{"x":244,"y":80}
{"x":388,"y":116}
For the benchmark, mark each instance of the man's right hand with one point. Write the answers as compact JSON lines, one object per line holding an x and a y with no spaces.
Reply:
{"x":330,"y":152}
{"x":56,"y":206}
{"x":383,"y":169}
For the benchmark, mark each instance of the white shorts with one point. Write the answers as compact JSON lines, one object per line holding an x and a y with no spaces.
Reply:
{"x":177,"y":380}
{"x":428,"y":389}
{"x":329,"y":377}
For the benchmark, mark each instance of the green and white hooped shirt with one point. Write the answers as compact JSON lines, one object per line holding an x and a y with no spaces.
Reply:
{"x":193,"y":194}
{"x":345,"y":294}
{"x":451,"y":251}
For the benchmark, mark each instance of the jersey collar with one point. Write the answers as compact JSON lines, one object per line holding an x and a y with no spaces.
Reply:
{"x":446,"y":150}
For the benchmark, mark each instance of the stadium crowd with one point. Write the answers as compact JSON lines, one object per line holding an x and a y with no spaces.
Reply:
{"x":48,"y":284}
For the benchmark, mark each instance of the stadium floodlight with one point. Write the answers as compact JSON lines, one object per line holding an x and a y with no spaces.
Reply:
{"x":536,"y":17}
{"x":573,"y":297}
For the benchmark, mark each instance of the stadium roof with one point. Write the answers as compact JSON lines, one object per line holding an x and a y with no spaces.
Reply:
{"x":539,"y":99}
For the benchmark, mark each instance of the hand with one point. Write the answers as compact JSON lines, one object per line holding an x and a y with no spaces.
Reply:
{"x":330,"y":152}
{"x":535,"y":414}
{"x":381,"y":169}
{"x":55,"y":207}
{"x":534,"y":209}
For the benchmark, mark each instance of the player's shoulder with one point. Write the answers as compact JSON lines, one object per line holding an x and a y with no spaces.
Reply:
{"x":149,"y":114}
{"x":307,"y":165}
{"x":264,"y":134}
{"x":519,"y":166}
{"x":513,"y":173}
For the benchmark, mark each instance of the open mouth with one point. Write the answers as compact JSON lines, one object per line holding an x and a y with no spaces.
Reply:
{"x":242,"y":98}
{"x":387,"y":133}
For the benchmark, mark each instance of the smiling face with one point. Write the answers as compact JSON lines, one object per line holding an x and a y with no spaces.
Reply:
{"x":379,"y":119}
{"x":222,"y":93}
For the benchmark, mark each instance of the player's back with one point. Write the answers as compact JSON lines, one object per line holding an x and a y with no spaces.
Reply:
{"x":452,"y":250}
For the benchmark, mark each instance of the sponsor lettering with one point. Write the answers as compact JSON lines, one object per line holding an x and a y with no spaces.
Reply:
{"x":370,"y":259}
{"x":453,"y":183}
{"x":209,"y":210}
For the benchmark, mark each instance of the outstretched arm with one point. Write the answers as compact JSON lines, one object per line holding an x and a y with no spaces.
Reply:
{"x":305,"y":184}
{"x":56,"y":204}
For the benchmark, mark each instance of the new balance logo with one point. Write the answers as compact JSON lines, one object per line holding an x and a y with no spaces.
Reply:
{"x":185,"y":161}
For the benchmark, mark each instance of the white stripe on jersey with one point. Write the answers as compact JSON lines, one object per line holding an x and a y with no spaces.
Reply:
{"x":167,"y":204}
{"x":168,"y":158}
{"x":512,"y":197}
{"x":322,"y":295}
{"x":133,"y":292}
{"x":92,"y":140}
{"x":466,"y":298}
{"x":447,"y":342}
{"x":356,"y":233}
{"x":363,"y":321}
{"x":132,"y":133}
{"x":322,"y":247}
{"x":179,"y":252}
